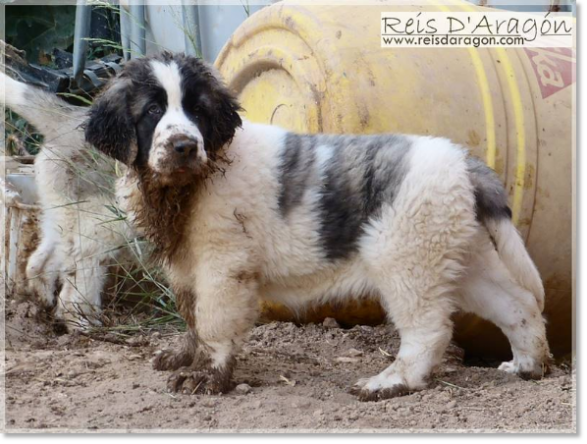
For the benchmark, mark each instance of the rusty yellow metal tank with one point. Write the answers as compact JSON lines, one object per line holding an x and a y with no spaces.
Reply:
{"x":321,"y":69}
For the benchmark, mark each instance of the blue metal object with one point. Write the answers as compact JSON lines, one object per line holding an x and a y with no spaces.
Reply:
{"x":138,"y":44}
{"x":218,"y":22}
{"x":80,"y":43}
{"x":125,"y":21}
{"x":191,"y":25}
{"x":200,"y":30}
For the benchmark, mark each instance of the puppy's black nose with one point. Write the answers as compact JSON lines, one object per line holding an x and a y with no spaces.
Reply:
{"x":185,"y":147}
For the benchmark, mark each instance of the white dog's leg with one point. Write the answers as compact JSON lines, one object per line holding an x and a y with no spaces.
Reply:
{"x":490,"y":292}
{"x":89,"y":240}
{"x":79,"y":299}
{"x":225,"y":310}
{"x":42,"y":270}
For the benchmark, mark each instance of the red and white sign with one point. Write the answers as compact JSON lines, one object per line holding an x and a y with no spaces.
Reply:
{"x":553,"y":67}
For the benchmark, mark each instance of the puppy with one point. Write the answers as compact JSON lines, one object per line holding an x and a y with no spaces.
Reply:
{"x":80,"y":230}
{"x":240,"y":212}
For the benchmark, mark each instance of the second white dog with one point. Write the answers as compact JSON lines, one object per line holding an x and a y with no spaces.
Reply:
{"x":80,"y":230}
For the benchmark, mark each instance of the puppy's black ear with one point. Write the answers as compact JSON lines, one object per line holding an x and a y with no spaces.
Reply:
{"x":225,"y":119}
{"x":110,"y":127}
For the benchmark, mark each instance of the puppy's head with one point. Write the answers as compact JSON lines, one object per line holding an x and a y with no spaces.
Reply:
{"x":168,"y":115}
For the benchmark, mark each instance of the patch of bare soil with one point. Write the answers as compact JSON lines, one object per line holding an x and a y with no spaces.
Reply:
{"x":290,"y":378}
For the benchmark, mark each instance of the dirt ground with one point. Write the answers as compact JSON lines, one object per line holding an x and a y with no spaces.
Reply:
{"x":291,"y":378}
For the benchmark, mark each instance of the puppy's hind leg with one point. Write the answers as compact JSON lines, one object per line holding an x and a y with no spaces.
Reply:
{"x":423,"y":320}
{"x":414,"y":254}
{"x":89,"y":244}
{"x":489,"y":291}
{"x":416,"y":284}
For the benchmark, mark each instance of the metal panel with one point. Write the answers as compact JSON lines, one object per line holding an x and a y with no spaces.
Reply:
{"x":165,"y":28}
{"x":194,"y":29}
{"x":218,"y":22}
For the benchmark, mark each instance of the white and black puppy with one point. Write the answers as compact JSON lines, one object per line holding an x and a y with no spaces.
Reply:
{"x":80,"y":233}
{"x":240,"y":212}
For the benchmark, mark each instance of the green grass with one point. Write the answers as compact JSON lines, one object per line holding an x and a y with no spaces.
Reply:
{"x":21,"y":138}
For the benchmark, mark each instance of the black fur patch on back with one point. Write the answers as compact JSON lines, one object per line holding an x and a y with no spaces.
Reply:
{"x":386,"y":168}
{"x":491,"y":201}
{"x":363,"y":173}
{"x":296,"y":166}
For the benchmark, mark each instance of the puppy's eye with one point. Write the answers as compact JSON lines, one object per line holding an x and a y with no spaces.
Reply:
{"x":154,"y":109}
{"x":196,"y":109}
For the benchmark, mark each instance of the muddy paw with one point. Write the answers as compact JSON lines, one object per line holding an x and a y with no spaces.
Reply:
{"x":525,"y":370}
{"x":367,"y":395}
{"x":170,"y":359}
{"x":207,"y":381}
{"x":182,"y":356}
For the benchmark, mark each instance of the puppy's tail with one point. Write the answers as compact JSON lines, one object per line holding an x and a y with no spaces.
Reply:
{"x":493,"y":212}
{"x":49,"y":114}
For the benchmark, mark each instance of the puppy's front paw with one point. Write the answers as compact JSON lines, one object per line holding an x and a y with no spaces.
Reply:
{"x":183,"y":356}
{"x":170,"y":359}
{"x":208,"y":380}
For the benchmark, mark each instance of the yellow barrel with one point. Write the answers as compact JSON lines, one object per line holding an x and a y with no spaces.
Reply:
{"x":321,"y":69}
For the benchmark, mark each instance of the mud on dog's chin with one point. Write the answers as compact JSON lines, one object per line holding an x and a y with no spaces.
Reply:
{"x":177,"y":176}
